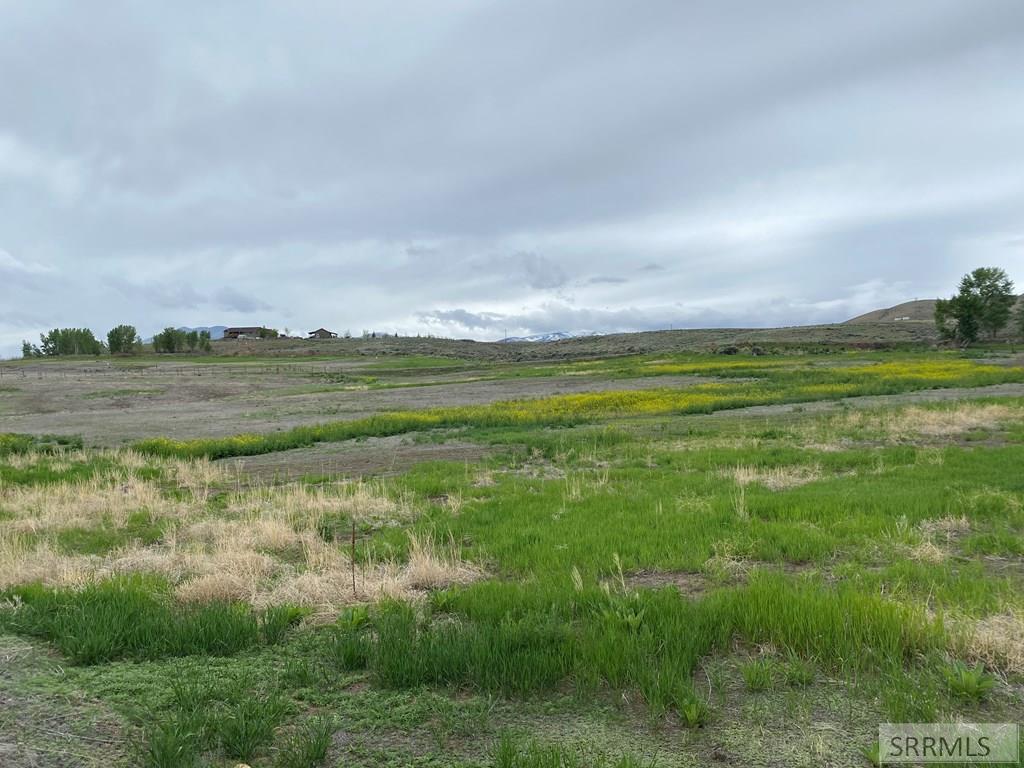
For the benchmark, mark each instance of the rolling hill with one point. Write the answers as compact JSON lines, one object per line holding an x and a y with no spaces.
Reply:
{"x":917,"y":311}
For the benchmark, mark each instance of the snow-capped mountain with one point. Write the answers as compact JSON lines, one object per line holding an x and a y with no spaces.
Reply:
{"x":553,"y":336}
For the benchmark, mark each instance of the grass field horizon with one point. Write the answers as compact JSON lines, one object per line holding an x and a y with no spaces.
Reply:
{"x":658,"y":558}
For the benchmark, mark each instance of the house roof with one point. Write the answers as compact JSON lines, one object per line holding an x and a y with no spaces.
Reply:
{"x":244,"y":329}
{"x":320,"y":330}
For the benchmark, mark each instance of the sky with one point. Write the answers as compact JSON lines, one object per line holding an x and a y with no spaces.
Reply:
{"x":472,"y":168}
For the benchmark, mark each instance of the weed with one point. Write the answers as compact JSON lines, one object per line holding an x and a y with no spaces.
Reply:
{"x":349,"y":649}
{"x":277,"y":620}
{"x":798,"y":673}
{"x":759,"y":675}
{"x":168,"y":745}
{"x":873,"y":754}
{"x":968,"y":683}
{"x":307,"y":746}
{"x":247,"y":724}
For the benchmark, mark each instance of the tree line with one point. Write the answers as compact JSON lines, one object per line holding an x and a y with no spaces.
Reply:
{"x":982,"y":307}
{"x":121,"y":340}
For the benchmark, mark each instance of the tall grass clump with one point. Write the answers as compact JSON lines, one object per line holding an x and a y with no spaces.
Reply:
{"x":511,"y":656}
{"x":307,"y":746}
{"x":840,"y":626}
{"x":247,"y":724}
{"x":511,"y":753}
{"x":132,"y":617}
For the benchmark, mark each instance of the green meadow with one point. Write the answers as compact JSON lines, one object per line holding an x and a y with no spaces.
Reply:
{"x":754,"y":562}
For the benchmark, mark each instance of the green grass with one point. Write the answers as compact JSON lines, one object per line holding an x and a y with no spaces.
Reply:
{"x":134,"y":618}
{"x":577,"y":645}
{"x":103,"y":538}
{"x":13,"y":443}
{"x":780,"y":382}
{"x":112,"y":393}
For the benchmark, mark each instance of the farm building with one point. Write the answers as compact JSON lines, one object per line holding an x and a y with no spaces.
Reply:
{"x":252,"y":332}
{"x":322,"y":333}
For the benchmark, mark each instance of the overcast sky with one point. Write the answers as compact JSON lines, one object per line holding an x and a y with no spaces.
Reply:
{"x":463,"y":167}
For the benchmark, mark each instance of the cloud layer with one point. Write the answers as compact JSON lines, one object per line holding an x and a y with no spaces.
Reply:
{"x":466,"y":166}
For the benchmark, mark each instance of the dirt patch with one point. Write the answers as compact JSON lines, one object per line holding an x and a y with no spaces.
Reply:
{"x":373,"y":456}
{"x":181,"y":401}
{"x":688,"y":584}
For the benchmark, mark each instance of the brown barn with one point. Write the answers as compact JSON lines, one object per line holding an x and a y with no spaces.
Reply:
{"x":322,"y":333}
{"x":242,"y":333}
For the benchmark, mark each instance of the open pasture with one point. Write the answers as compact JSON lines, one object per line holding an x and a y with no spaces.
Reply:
{"x":671,"y":560}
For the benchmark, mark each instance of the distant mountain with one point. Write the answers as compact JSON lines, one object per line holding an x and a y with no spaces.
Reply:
{"x":216,"y":331}
{"x":553,"y":336}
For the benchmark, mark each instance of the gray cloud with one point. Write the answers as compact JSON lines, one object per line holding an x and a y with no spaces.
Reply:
{"x":541,"y":273}
{"x":231,"y":299}
{"x":322,"y":165}
{"x":165,"y":295}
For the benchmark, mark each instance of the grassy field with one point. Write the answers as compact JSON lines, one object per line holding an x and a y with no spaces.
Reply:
{"x":669,"y":559}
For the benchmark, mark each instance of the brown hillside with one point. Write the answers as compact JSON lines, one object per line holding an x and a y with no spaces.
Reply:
{"x":918,"y":311}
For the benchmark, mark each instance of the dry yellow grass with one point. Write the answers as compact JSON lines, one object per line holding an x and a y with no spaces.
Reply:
{"x":948,"y":527}
{"x":927,"y":552}
{"x":774,"y":478}
{"x":998,"y":642}
{"x":916,"y":422}
{"x":264,"y":547}
{"x":107,"y":499}
{"x":304,"y":507}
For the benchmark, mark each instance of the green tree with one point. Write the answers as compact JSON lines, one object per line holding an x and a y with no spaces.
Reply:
{"x":982,"y":305}
{"x":204,"y":341}
{"x":169,"y":340}
{"x":192,"y":340}
{"x":30,"y":350}
{"x":123,"y":340}
{"x":69,"y":341}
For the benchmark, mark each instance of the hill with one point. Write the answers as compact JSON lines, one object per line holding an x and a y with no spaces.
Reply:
{"x":917,"y":311}
{"x":884,"y":335}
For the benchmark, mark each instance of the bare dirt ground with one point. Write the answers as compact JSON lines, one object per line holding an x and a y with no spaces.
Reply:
{"x":112,"y":405}
{"x":374,"y":456}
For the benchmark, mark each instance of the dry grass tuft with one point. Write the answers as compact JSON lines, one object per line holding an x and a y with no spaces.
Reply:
{"x":915,"y":421}
{"x":998,"y":642}
{"x":774,"y":478}
{"x":434,"y":566}
{"x":304,"y":507}
{"x":927,"y":552}
{"x":109,"y":498}
{"x":948,"y":527}
{"x":725,"y":565}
